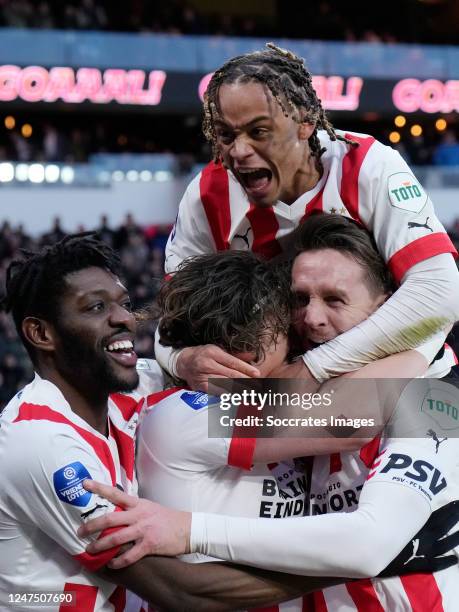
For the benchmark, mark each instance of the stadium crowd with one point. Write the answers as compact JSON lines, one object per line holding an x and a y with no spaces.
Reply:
{"x":325,"y":20}
{"x":55,"y":140}
{"x":142,"y":254}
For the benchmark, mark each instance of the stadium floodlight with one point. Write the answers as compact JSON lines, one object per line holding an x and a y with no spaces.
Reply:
{"x":52,"y":173}
{"x":118,"y":176}
{"x":162,"y":175}
{"x":22,"y":172}
{"x":36,"y":173}
{"x":67,"y":175}
{"x":104,"y":176}
{"x":132,"y":175}
{"x":6,"y":172}
{"x":146,"y":176}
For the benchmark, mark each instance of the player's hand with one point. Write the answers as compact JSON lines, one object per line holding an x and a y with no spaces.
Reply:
{"x":424,"y":552}
{"x":151,"y":528}
{"x":196,"y":364}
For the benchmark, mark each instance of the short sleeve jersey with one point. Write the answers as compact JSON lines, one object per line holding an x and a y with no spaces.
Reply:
{"x":370,"y":183}
{"x":46,"y":451}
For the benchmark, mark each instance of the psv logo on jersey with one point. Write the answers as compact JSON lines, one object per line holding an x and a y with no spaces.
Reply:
{"x":418,"y":473}
{"x":405,"y":192}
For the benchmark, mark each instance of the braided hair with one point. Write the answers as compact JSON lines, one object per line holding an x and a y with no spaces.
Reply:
{"x":36,"y":282}
{"x":288,"y":80}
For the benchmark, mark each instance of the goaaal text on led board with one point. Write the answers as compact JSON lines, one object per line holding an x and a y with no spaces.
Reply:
{"x":39,"y":84}
{"x":430,"y":96}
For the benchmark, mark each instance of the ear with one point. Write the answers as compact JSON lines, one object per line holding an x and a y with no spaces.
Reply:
{"x":39,"y":333}
{"x":383,"y":298}
{"x":305,"y":130}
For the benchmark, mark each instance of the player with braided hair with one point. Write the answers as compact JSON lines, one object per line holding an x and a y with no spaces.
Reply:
{"x":292,"y":91}
{"x":277,"y":159}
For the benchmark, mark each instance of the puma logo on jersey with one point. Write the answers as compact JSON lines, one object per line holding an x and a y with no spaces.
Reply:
{"x":415,"y":544}
{"x":412,"y":224}
{"x":244,"y":237}
{"x":432,"y":434}
{"x":88,"y":513}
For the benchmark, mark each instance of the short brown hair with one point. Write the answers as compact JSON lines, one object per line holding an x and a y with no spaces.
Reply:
{"x":325,"y":231}
{"x":231,"y":299}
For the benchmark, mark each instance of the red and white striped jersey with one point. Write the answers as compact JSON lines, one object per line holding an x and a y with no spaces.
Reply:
{"x":46,"y":451}
{"x":180,"y":466}
{"x":370,"y":183}
{"x":337,"y":481}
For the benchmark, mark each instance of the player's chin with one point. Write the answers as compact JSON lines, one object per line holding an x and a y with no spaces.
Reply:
{"x":123,"y":379}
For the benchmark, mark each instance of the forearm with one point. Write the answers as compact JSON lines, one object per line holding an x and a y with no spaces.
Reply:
{"x":427,"y":300}
{"x":336,"y":544}
{"x":170,"y":584}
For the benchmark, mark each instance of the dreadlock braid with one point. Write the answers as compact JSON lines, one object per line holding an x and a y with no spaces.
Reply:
{"x":289,"y":82}
{"x":35,"y":283}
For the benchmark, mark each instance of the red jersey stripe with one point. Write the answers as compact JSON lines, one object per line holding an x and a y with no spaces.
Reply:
{"x":419,"y":250}
{"x":267,"y":609}
{"x":423,"y":592}
{"x":241,"y":452}
{"x":127,"y":405}
{"x":369,"y":452}
{"x":265,"y":227}
{"x":314,"y":205}
{"x":320,"y":604}
{"x":126,"y":450}
{"x":335,"y":463}
{"x":154,"y":398}
{"x":214,"y":190}
{"x":84,"y":598}
{"x":447,"y":347}
{"x":352,"y":163}
{"x":36,"y":412}
{"x":364,"y":596}
{"x":118,"y":599}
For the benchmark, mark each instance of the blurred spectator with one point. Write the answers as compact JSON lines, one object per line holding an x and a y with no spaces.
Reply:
{"x":323,"y":20}
{"x":447,"y":152}
{"x":106,"y":234}
{"x":56,"y":233}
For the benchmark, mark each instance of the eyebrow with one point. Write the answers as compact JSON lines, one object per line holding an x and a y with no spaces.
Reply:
{"x":245,"y":125}
{"x":101,"y":293}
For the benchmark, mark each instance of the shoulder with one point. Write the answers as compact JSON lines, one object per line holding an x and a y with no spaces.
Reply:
{"x":174,"y":411}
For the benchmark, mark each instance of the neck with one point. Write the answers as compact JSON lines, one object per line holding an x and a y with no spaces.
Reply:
{"x":305,"y":179}
{"x":91,"y":404}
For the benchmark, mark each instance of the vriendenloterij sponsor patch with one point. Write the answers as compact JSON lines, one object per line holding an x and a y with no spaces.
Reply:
{"x":68,"y":484}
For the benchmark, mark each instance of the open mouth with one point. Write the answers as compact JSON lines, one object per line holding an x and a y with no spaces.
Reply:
{"x":255,"y":181}
{"x":122,"y":351}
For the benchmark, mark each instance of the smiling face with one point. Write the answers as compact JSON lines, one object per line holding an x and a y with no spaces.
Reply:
{"x":267,"y":152}
{"x":94,"y":334}
{"x":332,"y":294}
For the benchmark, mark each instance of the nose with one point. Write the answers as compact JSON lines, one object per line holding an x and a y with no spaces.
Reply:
{"x":122,"y":317}
{"x":240,"y":149}
{"x":314,"y":315}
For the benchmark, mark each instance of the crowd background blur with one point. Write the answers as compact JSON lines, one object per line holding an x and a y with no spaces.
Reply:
{"x":39,"y":136}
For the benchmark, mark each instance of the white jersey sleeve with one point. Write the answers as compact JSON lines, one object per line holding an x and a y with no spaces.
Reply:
{"x":191,"y":234}
{"x":183,"y":415}
{"x":409,"y":479}
{"x":44,"y":483}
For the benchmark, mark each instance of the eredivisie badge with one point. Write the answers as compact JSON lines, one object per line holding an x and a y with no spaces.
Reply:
{"x":406,"y":193}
